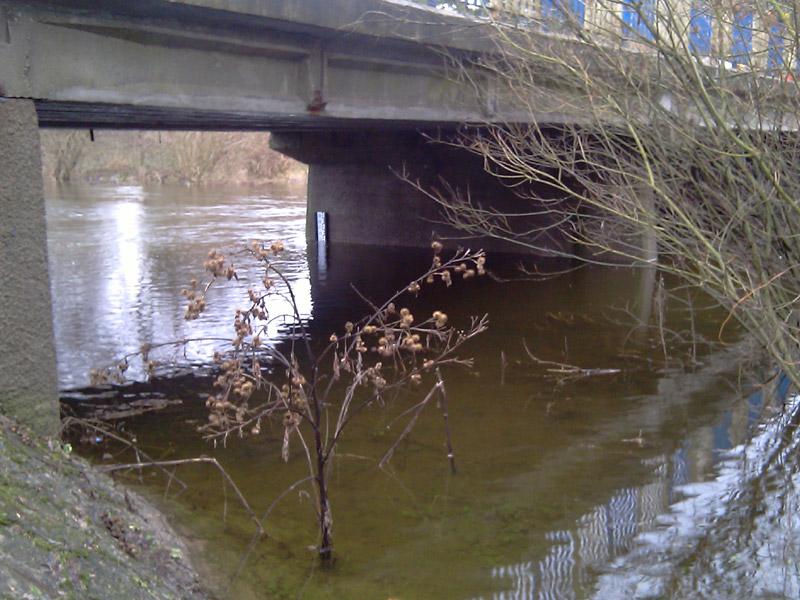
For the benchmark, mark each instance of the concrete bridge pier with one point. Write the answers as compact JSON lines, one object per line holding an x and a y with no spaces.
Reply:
{"x":28,"y":372}
{"x":353,"y":178}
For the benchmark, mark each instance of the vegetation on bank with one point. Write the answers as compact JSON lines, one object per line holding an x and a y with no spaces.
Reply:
{"x":146,"y":157}
{"x":67,"y":531}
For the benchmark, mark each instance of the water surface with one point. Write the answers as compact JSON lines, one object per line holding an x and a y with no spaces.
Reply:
{"x":556,"y":478}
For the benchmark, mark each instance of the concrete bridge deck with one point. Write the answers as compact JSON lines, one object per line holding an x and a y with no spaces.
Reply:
{"x":242,"y":64}
{"x":338,"y":79}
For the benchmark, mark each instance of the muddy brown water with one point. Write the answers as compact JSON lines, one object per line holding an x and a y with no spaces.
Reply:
{"x":557,"y":480}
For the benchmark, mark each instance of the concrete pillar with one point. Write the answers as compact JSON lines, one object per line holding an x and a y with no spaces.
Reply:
{"x":28,"y":374}
{"x":367,"y":204}
{"x":353,"y":177}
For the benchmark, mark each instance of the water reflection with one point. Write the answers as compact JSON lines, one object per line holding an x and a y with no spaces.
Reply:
{"x":610,"y":529}
{"x":122,"y":289}
{"x":120,"y":255}
{"x":601,"y":534}
{"x":732,"y":536}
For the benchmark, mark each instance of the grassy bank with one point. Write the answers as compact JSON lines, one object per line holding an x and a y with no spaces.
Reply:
{"x":67,"y":531}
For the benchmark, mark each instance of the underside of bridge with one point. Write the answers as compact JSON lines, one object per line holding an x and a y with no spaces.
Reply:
{"x":358,"y":178}
{"x":378,"y":187}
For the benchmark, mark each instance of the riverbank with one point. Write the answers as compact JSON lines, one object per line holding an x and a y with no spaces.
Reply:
{"x":187,"y":158}
{"x":68,"y":531}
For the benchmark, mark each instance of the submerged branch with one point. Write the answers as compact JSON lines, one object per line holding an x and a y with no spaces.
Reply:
{"x":567,"y":370}
{"x":190,"y":461}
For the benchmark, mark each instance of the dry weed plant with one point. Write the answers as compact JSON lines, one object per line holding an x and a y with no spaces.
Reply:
{"x":312,"y":393}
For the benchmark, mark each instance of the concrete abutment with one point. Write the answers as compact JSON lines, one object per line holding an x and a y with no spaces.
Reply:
{"x":28,"y":370}
{"x":355,"y":178}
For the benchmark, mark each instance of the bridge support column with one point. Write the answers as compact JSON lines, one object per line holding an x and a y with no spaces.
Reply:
{"x":28,"y":373}
{"x":354,"y":178}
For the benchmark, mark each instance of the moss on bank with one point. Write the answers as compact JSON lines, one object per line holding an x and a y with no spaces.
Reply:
{"x":67,"y":531}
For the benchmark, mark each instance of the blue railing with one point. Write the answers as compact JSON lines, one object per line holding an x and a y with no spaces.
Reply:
{"x":776,"y":45}
{"x":559,"y":14}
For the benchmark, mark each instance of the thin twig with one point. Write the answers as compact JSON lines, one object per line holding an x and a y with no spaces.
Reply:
{"x":443,"y":402}
{"x":257,"y":536}
{"x":409,"y":426}
{"x":189,"y":461}
{"x":567,"y":369}
{"x":65,"y":424}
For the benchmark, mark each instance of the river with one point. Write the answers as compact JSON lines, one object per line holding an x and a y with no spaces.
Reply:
{"x":560,"y":480}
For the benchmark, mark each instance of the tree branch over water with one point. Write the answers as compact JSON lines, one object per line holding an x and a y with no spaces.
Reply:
{"x":657,"y":147}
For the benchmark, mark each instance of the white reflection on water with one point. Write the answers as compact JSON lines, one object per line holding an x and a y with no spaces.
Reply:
{"x":120,"y":255}
{"x":122,"y":284}
{"x":737,"y":535}
{"x":642,"y":536}
{"x":599,"y":535}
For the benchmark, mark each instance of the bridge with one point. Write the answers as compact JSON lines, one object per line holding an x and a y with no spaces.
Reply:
{"x":223,"y":64}
{"x":344,"y":85}
{"x":349,"y":87}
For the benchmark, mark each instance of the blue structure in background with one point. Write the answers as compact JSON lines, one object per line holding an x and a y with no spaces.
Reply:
{"x":557,"y":13}
{"x":775,"y":47}
{"x":639,"y":22}
{"x":700,"y":30}
{"x":639,"y":19}
{"x":742,"y":42}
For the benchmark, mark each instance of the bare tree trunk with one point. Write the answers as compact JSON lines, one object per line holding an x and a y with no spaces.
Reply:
{"x":325,"y":547}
